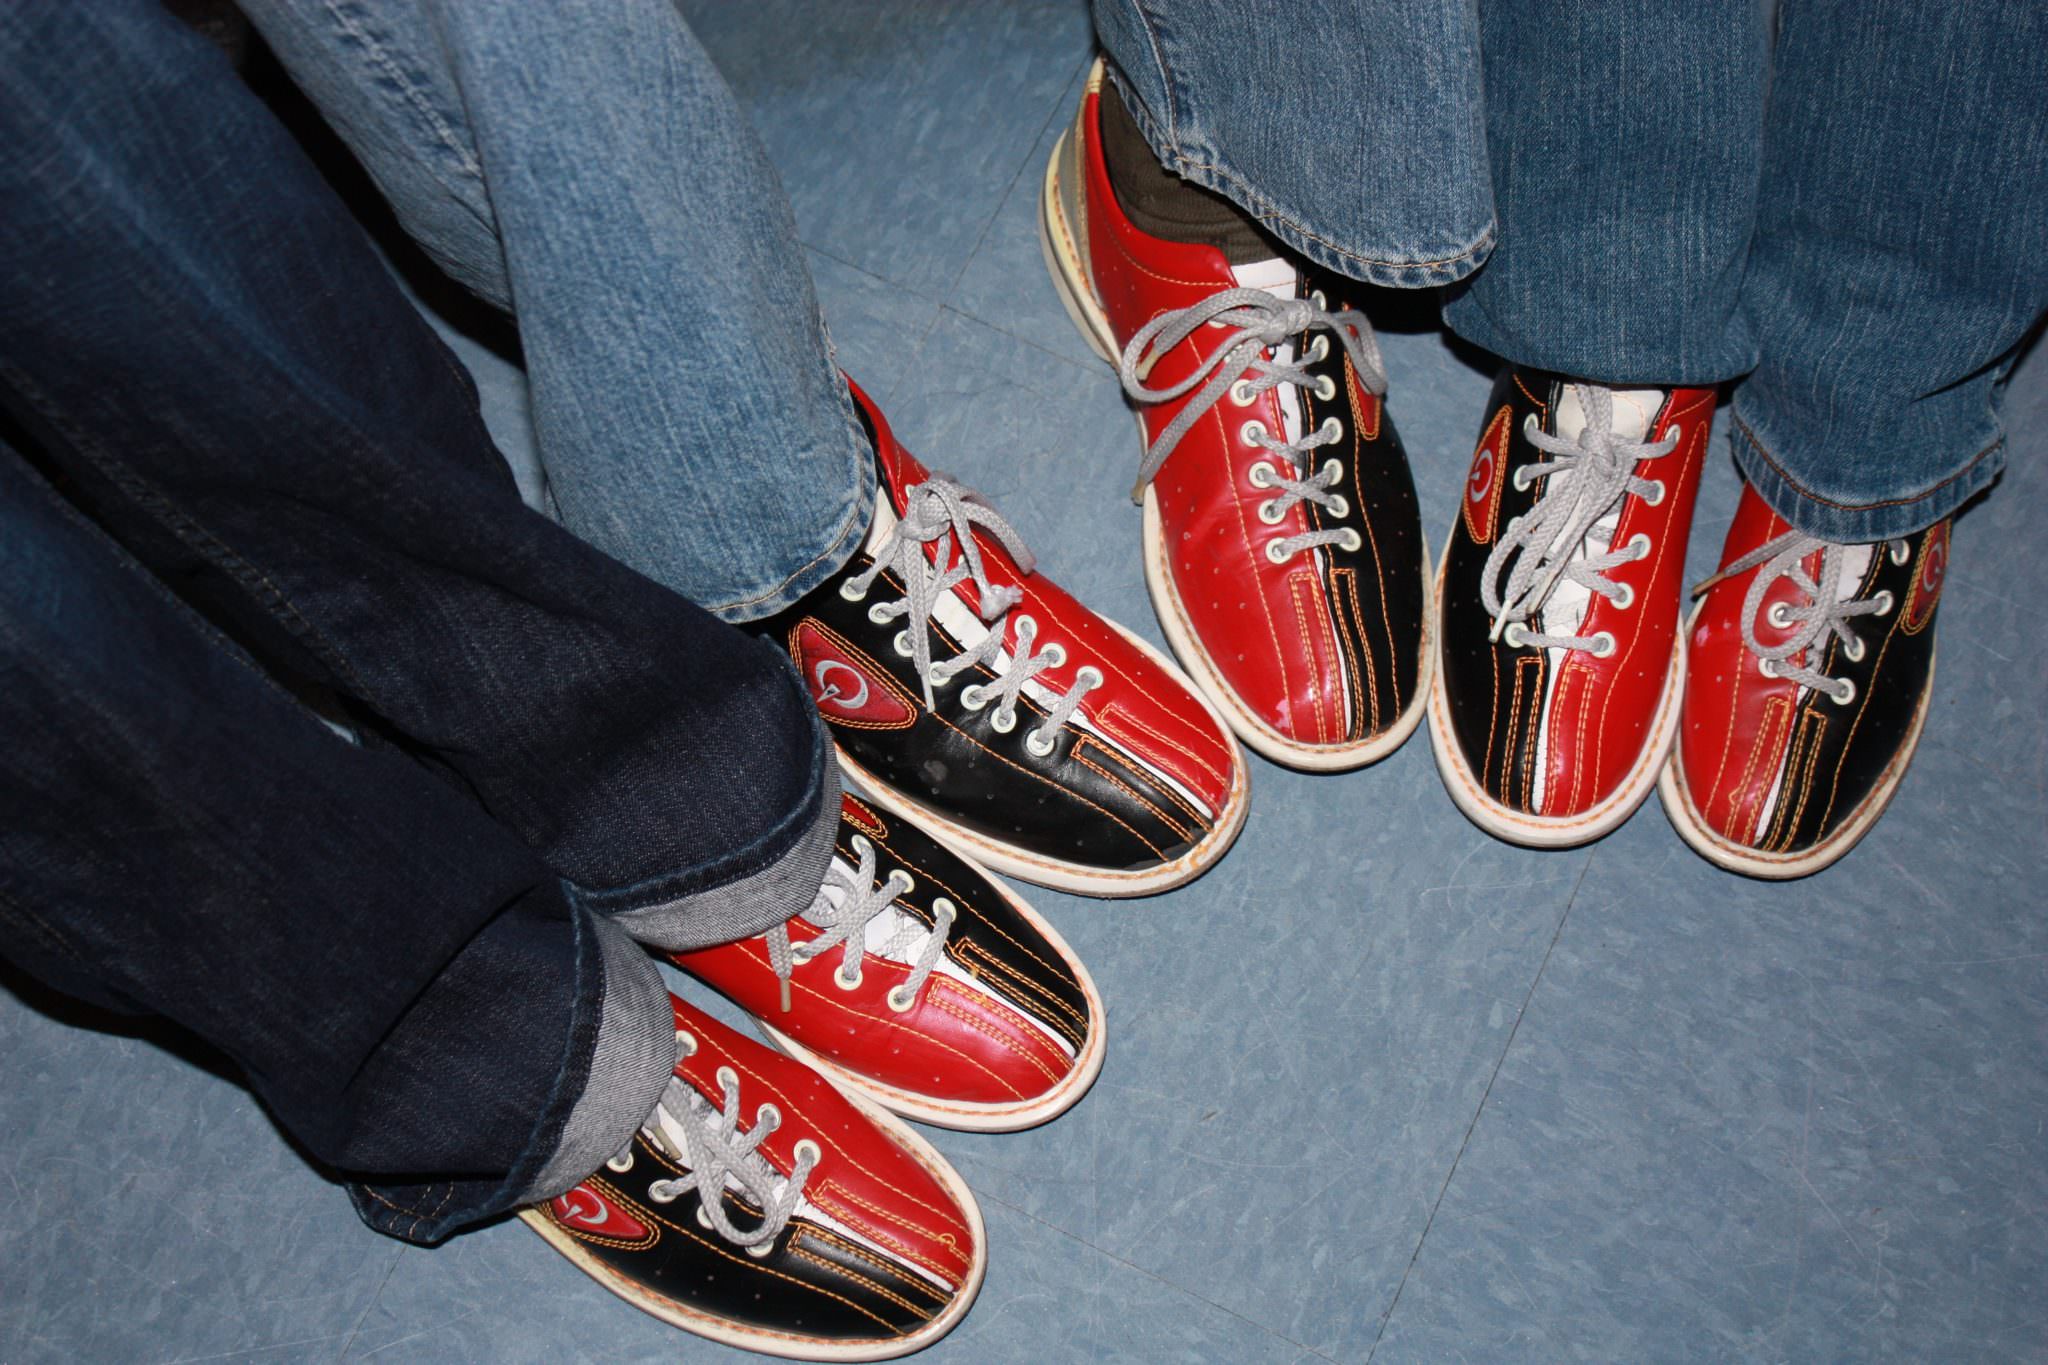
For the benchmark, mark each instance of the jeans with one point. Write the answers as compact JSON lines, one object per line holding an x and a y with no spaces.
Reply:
{"x":586,"y":168}
{"x":241,"y":479}
{"x":1848,"y":210}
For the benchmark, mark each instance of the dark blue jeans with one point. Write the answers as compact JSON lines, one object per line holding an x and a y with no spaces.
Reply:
{"x":237,"y":471}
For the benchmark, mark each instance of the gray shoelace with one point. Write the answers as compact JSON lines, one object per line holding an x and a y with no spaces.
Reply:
{"x":1587,"y":477}
{"x":942,"y":512}
{"x":846,"y":924}
{"x":715,"y":1150}
{"x":1242,"y":367}
{"x":1823,"y":619}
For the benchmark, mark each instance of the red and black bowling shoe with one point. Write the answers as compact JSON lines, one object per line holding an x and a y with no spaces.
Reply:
{"x":922,"y":982}
{"x":1283,"y":546}
{"x":1810,"y":670}
{"x":1562,"y":664}
{"x":762,"y":1208}
{"x":969,"y":691}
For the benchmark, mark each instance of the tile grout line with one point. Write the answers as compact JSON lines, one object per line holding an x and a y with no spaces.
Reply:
{"x":1477,"y":1112}
{"x":364,"y":1316}
{"x":1152,"y":1275}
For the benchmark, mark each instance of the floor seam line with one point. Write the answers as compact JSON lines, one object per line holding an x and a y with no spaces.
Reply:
{"x":364,"y":1316}
{"x":1154,"y":1276}
{"x":1480,"y":1109}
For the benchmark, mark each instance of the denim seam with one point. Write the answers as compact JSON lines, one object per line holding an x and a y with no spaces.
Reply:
{"x":1146,"y":21}
{"x":1763,"y":453}
{"x":124,"y":477}
{"x":1262,"y":207}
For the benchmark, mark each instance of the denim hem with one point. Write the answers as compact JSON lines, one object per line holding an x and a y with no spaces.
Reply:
{"x":843,"y":540}
{"x":748,"y":905}
{"x":1857,"y":523}
{"x":1320,"y":244}
{"x":630,"y":1064}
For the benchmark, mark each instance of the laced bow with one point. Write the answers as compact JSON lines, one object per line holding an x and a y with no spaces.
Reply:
{"x":1588,"y":476}
{"x":717,"y":1152}
{"x":1814,"y":626}
{"x":944,"y":514}
{"x":1262,"y":323}
{"x":845,"y":925}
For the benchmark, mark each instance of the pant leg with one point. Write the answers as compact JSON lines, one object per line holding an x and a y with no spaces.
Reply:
{"x":203,"y":343}
{"x":587,"y":168}
{"x":1901,"y":254}
{"x":1351,"y":129}
{"x":1624,"y":142}
{"x":403,"y":983}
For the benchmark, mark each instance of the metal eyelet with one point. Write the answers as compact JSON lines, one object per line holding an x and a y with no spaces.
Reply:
{"x":1033,"y":745}
{"x":1319,"y":349}
{"x":1529,"y":425}
{"x":803,"y":1144}
{"x":686,"y":1042}
{"x":900,"y":1002}
{"x":1854,"y":651}
{"x":1885,"y":601}
{"x":1025,"y":625}
{"x":1520,"y":478}
{"x":1514,"y":637}
{"x":1241,"y":394}
{"x":1339,"y":505}
{"x":1639,"y":545}
{"x":846,"y":590}
{"x":1089,"y":674}
{"x":1274,"y":554}
{"x":726,"y":1076}
{"x":1625,"y":597}
{"x":1779,"y":614}
{"x":845,"y":982}
{"x":879,"y":614}
{"x":1604,"y":644}
{"x":1326,"y":387}
{"x":1330,"y":430}
{"x":902,"y":643}
{"x":1846,"y":695}
{"x":1270,"y":513}
{"x":621,"y":1163}
{"x":1673,"y":432}
{"x":1349,"y":541}
{"x":974,"y":696}
{"x":1002,"y":722}
{"x":1655,"y":498}
{"x":1768,"y":667}
{"x":1260,"y":475}
{"x":762,"y":1250}
{"x":1333,"y":471}
{"x":662,"y":1192}
{"x":1252,"y":432}
{"x":1901,"y":551}
{"x":703,"y":1216}
{"x":1316,"y":297}
{"x":1054,"y":655}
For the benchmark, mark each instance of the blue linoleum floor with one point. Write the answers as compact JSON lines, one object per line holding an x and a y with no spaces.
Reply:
{"x":1378,"y":1087}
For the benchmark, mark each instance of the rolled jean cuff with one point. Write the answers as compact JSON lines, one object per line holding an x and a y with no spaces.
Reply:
{"x":840,"y":538}
{"x":1771,"y":470}
{"x":631,"y":1061}
{"x":761,"y":892}
{"x":1422,"y":267}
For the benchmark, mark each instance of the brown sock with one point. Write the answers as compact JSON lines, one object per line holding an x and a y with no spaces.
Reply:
{"x":1163,"y":204}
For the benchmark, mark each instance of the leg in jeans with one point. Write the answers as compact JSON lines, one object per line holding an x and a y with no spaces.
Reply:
{"x":588,"y":169}
{"x":235,"y":388}
{"x":405,"y":984}
{"x":214,"y":364}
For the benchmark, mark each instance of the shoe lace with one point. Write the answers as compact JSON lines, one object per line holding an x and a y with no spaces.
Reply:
{"x":1821,"y":621}
{"x":944,"y":513}
{"x":1588,"y":476}
{"x":1261,"y":323}
{"x":845,"y":925}
{"x":689,"y":1129}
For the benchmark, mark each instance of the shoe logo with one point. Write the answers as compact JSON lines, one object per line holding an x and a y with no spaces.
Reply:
{"x":849,"y":687}
{"x":1482,"y":486}
{"x":1928,"y":576}
{"x":587,"y":1213}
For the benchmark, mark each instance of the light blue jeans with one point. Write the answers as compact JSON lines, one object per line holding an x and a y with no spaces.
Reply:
{"x":1844,"y":202}
{"x":585,"y":168}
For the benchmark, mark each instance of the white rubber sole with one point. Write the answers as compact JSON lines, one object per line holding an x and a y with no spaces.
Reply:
{"x":1079,"y":878}
{"x":1554,"y":831}
{"x":970,"y":1116}
{"x":1750,"y":862}
{"x":1055,"y":240}
{"x":791,"y":1345}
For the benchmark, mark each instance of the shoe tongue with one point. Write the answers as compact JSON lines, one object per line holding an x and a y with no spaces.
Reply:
{"x":1855,"y":564}
{"x":1278,"y":277}
{"x":878,"y":530}
{"x":892,"y":934}
{"x":1634,"y":410}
